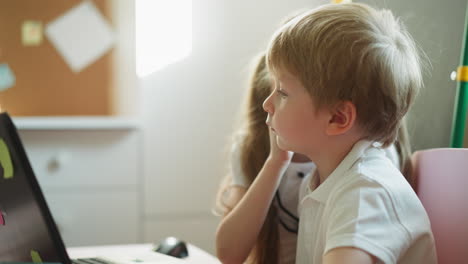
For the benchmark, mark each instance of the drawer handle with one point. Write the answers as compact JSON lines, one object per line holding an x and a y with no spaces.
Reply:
{"x":57,"y":161}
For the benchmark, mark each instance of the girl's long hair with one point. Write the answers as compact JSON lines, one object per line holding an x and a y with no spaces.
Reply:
{"x":403,"y":147}
{"x":252,"y":138}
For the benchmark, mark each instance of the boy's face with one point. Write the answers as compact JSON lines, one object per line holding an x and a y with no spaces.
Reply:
{"x":293,"y":116}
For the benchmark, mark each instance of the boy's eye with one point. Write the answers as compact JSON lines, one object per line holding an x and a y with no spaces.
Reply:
{"x":281,"y":93}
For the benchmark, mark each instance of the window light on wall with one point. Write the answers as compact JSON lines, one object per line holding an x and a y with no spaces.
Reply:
{"x":163,"y":33}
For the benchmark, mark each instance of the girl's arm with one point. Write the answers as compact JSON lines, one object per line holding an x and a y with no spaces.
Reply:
{"x":238,"y":231}
{"x":235,"y":195}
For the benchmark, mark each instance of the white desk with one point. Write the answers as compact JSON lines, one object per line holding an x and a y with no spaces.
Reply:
{"x":196,"y":255}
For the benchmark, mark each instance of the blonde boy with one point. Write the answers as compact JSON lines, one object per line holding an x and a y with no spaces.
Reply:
{"x":345,"y":75}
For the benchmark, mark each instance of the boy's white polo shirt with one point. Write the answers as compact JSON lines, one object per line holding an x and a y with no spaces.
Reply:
{"x":365,"y":203}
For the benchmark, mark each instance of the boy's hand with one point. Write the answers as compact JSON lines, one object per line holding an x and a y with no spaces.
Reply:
{"x":276,"y":154}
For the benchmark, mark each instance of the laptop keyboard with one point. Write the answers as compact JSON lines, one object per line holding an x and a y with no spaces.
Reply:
{"x":91,"y":261}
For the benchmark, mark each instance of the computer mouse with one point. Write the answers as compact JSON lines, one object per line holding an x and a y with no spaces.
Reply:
{"x":173,"y":247}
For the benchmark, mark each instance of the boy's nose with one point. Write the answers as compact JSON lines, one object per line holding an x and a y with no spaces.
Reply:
{"x":267,"y":105}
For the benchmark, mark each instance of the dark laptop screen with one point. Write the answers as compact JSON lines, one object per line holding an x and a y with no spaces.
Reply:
{"x":27,"y":231}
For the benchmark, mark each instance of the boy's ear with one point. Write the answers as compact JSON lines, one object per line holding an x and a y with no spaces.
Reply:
{"x":342,"y":118}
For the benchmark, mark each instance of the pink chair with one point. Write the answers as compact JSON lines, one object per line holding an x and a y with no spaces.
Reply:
{"x":442,"y":185}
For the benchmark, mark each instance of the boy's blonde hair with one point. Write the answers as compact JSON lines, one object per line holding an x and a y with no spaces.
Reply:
{"x":352,"y":52}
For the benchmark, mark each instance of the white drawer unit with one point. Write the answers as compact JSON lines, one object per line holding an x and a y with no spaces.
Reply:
{"x":91,"y":179}
{"x":95,"y":218}
{"x":83,"y":158}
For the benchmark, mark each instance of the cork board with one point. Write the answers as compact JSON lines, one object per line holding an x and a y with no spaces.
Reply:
{"x":45,"y":84}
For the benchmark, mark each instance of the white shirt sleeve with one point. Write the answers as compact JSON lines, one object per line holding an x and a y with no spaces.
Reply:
{"x":363,"y":216}
{"x":238,"y":177}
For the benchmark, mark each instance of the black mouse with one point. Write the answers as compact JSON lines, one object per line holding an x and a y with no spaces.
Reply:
{"x":173,"y":247}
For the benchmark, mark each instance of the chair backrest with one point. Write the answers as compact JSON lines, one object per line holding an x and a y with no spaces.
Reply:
{"x":442,"y":185}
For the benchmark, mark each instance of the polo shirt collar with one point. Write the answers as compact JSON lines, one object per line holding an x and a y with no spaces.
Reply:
{"x":322,"y":192}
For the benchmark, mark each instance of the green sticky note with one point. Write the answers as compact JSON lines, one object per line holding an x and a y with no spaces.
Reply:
{"x":5,"y":160}
{"x":35,"y":257}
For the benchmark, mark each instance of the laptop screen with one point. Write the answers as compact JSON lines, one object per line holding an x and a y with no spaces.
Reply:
{"x":27,"y":231}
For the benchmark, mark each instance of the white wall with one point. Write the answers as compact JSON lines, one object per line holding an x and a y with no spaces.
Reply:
{"x":189,"y":107}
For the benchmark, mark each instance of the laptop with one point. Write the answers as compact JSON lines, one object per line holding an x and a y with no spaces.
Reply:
{"x":28,"y":233}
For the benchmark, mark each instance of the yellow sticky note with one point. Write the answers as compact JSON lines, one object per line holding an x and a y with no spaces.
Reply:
{"x":31,"y":33}
{"x":5,"y":160}
{"x":35,"y":257}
